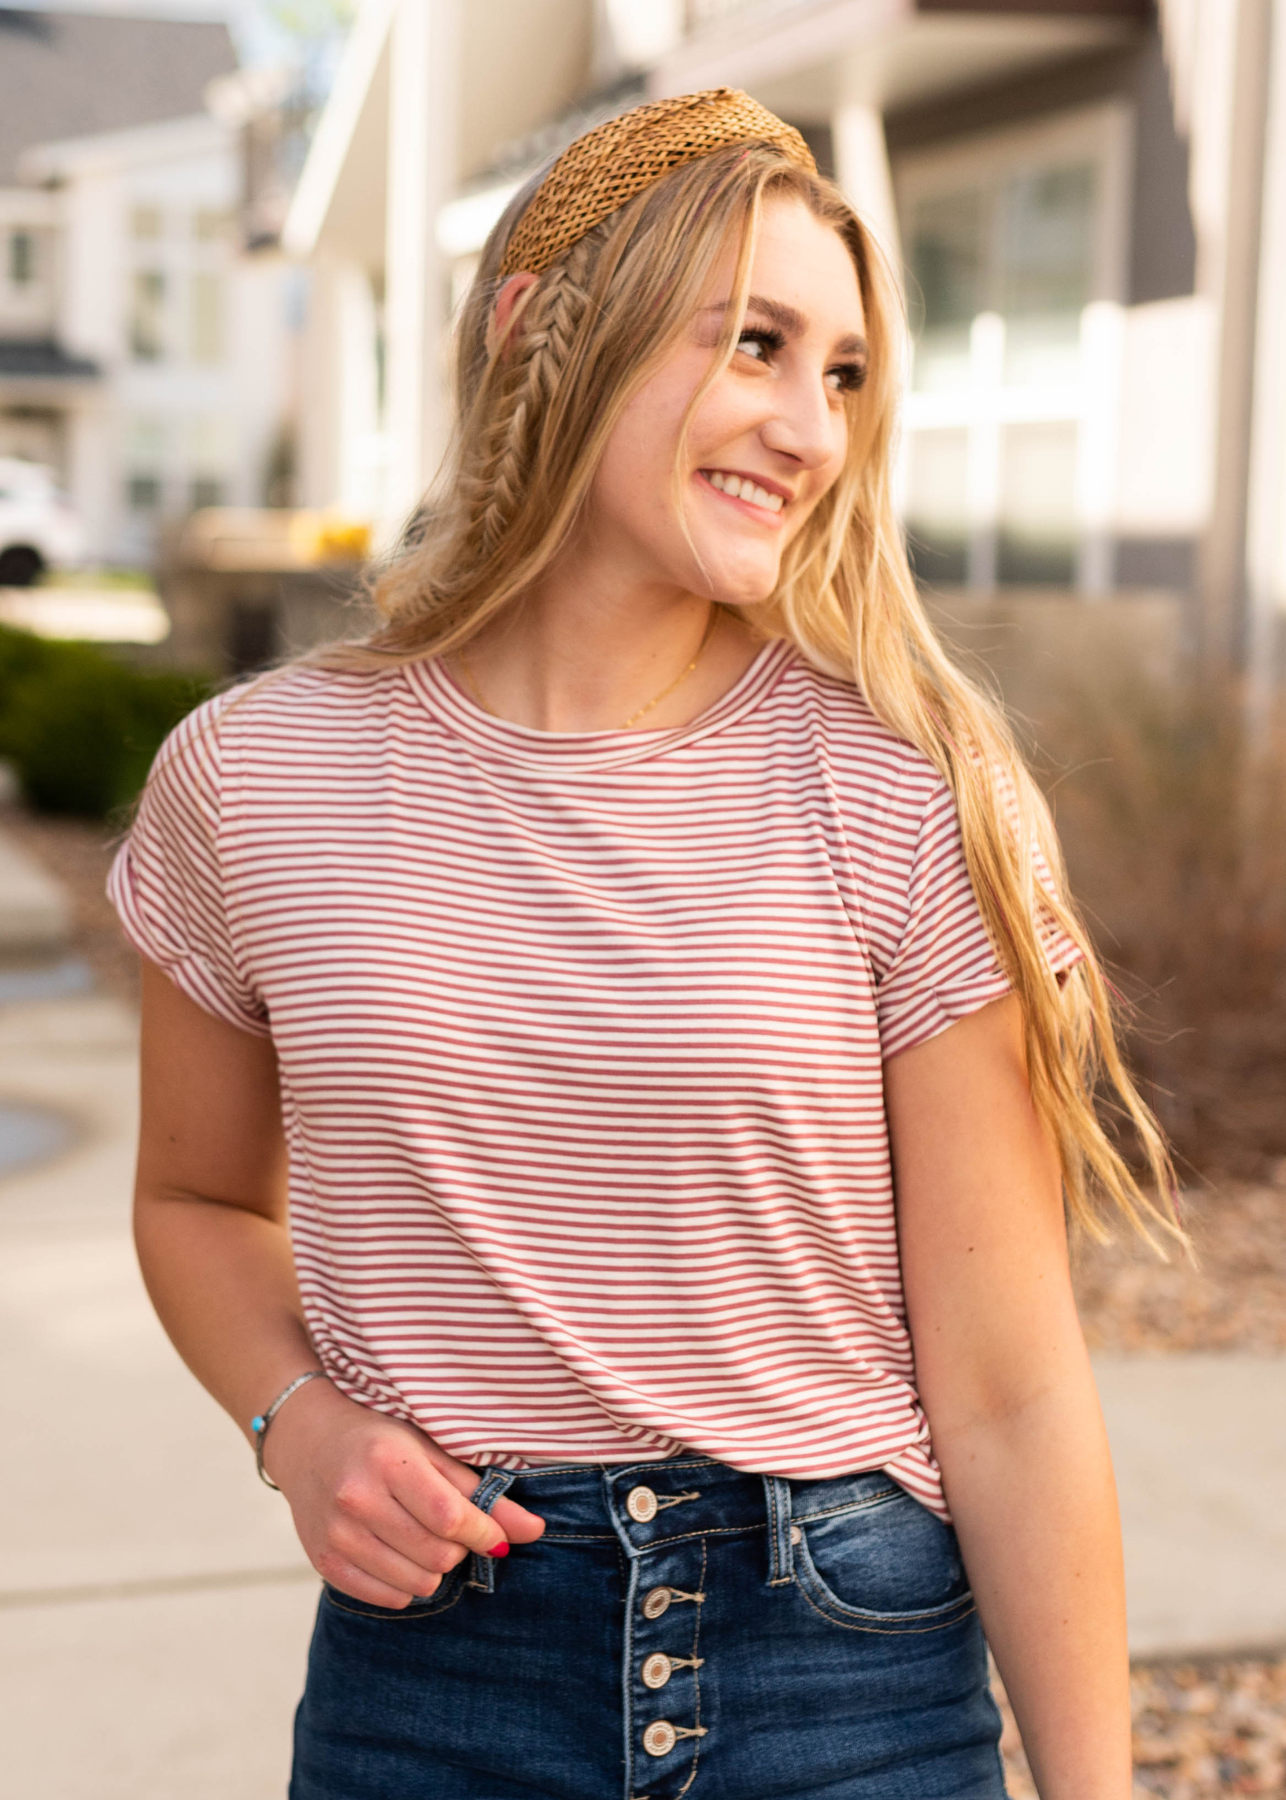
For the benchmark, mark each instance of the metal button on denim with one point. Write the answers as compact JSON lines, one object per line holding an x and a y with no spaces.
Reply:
{"x":796,"y":1535}
{"x":657,"y":1670}
{"x":641,"y":1505}
{"x":660,"y":1738}
{"x":655,"y":1602}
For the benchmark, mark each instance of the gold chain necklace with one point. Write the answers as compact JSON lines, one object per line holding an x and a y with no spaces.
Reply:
{"x":466,"y":669}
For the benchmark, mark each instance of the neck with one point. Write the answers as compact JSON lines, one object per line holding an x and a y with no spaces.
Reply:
{"x":587,"y":647}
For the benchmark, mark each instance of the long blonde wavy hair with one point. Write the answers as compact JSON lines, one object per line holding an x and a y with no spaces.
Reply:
{"x":534,"y":412}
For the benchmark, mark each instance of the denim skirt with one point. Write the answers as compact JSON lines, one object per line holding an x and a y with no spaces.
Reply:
{"x":680,"y":1629}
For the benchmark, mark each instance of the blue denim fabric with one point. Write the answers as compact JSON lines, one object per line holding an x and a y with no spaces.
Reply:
{"x":815,"y":1639}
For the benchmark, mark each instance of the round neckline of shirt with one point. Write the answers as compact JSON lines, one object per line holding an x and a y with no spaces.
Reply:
{"x":589,"y":749}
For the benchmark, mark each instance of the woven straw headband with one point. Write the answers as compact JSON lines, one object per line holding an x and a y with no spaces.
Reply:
{"x":621,"y":157}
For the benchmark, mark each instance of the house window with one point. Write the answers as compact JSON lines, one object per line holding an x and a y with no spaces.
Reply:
{"x":147,"y":315}
{"x":211,"y":225}
{"x":207,"y":318}
{"x":22,"y":258}
{"x":144,"y":492}
{"x":207,"y":490}
{"x":1010,"y":242}
{"x":145,"y":457}
{"x":209,"y":457}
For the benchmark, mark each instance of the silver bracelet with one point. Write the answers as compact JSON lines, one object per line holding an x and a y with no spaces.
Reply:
{"x":261,"y":1421}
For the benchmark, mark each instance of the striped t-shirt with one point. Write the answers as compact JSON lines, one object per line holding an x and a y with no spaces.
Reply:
{"x":581,"y":1040}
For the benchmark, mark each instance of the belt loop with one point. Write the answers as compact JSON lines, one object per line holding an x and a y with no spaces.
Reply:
{"x":495,"y":1483}
{"x":781,"y":1551}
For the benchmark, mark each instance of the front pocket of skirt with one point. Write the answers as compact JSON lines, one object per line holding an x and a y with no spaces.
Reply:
{"x":891,"y":1567}
{"x":449,"y":1591}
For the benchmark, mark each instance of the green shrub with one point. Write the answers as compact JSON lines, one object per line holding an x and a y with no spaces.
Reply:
{"x":80,"y":728}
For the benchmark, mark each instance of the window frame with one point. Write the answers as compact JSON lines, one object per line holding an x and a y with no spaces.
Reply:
{"x":1103,"y":135}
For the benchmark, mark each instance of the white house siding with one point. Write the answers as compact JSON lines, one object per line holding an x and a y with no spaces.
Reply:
{"x":147,"y":234}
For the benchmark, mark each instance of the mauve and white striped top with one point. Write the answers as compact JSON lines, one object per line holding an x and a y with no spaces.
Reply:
{"x":581,"y":1041}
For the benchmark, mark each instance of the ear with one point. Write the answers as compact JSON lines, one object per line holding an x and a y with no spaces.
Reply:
{"x":511,"y":292}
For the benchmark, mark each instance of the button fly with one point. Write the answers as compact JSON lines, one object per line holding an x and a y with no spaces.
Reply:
{"x":655,"y":1602}
{"x":657,"y":1670}
{"x":641,"y":1505}
{"x":660,"y":1738}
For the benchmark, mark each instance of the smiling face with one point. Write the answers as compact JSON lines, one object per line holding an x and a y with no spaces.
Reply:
{"x":769,"y":436}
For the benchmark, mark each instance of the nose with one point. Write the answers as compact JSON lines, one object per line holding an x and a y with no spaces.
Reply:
{"x":804,"y":424}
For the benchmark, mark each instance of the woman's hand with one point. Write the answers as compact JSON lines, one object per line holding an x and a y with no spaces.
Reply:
{"x":382,"y":1512}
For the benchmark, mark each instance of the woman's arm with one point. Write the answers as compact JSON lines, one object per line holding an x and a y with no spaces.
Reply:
{"x":1005,"y":1380}
{"x":380,"y":1509}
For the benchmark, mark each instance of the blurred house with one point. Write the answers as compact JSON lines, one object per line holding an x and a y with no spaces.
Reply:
{"x":1087,"y":197}
{"x":143,"y":353}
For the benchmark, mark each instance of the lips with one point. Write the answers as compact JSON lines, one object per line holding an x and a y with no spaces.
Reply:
{"x":744,"y":487}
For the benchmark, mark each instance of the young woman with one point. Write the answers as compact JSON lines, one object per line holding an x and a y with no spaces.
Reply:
{"x":643,"y":977}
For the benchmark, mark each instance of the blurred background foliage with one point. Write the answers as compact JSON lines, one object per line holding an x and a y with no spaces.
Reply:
{"x":81,"y":727}
{"x":1171,"y":803}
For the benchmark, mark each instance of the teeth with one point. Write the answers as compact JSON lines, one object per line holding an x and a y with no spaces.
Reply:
{"x":740,"y":489}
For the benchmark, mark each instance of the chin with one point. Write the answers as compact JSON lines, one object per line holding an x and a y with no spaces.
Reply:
{"x":732,"y":582}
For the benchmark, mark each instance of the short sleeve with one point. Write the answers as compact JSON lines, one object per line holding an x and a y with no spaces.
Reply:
{"x":932,"y":954}
{"x":167,"y":882}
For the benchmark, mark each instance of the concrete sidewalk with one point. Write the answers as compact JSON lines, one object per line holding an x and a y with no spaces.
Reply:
{"x":35,"y":914}
{"x":154,"y":1606}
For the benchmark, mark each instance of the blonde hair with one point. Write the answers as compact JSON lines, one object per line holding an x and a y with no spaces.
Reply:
{"x":535,"y":411}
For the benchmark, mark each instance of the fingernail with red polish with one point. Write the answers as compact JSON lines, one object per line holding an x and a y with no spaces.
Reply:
{"x":500,"y":1549}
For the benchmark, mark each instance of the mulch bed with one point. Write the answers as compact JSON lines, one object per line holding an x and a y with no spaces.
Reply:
{"x":1202,"y":1731}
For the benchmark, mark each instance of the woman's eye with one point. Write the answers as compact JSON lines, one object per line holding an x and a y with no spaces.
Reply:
{"x":762,"y":345}
{"x":846,"y":378}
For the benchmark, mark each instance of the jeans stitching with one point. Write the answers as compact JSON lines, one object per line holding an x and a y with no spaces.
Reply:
{"x":393,"y":1617}
{"x":696,"y":1678}
{"x":578,"y":1537}
{"x":828,"y":1598}
{"x":831,"y":1512}
{"x":891,"y":1630}
{"x":686,"y":1537}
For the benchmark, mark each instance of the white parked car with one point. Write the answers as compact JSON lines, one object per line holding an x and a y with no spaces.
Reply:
{"x":37,"y":527}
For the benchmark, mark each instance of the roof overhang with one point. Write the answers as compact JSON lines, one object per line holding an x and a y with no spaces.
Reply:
{"x":105,"y":152}
{"x":340,"y":202}
{"x":808,"y":59}
{"x":35,"y":371}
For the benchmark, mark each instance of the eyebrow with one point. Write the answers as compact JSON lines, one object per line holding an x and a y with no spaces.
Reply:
{"x":789,"y":320}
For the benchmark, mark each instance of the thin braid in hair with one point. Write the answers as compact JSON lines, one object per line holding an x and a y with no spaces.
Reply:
{"x":530,"y":363}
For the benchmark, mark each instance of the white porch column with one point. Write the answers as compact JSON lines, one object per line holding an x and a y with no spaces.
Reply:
{"x":862,"y":171}
{"x":94,"y":475}
{"x":1221,"y":63}
{"x":1266,"y":524}
{"x":424,"y":78}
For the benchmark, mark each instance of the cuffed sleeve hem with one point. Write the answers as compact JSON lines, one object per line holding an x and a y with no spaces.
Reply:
{"x":190,"y":973}
{"x":930,"y":1014}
